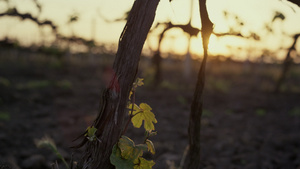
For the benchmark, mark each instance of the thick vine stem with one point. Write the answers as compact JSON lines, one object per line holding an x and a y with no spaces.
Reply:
{"x":113,"y":113}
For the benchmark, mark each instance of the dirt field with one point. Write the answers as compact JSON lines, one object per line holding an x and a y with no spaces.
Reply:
{"x":244,"y":125}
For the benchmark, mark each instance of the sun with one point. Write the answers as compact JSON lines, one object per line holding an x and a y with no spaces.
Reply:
{"x":216,"y":46}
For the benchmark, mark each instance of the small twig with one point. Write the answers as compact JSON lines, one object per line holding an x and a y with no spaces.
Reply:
{"x":146,"y":138}
{"x":130,"y":117}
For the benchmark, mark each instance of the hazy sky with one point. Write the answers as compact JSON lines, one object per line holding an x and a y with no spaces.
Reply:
{"x":255,"y":14}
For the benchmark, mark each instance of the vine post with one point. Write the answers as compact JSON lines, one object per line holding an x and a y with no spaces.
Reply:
{"x":193,"y":157}
{"x":286,"y":65}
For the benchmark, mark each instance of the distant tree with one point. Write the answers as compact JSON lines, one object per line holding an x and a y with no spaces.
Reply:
{"x":73,"y":18}
{"x":12,"y":11}
{"x":286,"y":64}
{"x":121,"y":19}
{"x":288,"y":59}
{"x":191,"y":31}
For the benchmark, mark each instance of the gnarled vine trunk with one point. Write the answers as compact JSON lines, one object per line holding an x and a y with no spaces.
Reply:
{"x":110,"y":120}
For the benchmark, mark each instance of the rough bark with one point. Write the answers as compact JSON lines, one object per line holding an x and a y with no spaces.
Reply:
{"x":193,"y":158}
{"x":110,"y":120}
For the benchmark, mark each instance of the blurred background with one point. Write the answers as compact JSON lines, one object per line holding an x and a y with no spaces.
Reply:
{"x":274,"y":23}
{"x":56,"y":57}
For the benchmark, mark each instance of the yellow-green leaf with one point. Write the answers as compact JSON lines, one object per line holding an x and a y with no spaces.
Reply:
{"x":129,"y":150}
{"x":150,"y":146}
{"x":135,"y":109}
{"x":144,"y":164}
{"x":91,"y":133}
{"x":144,"y":114}
{"x":138,"y":82}
{"x":130,"y":93}
{"x":145,"y":106}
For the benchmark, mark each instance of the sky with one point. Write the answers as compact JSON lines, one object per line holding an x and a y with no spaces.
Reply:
{"x":255,"y":14}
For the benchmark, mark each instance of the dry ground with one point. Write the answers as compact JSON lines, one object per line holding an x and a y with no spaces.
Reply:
{"x":244,"y":125}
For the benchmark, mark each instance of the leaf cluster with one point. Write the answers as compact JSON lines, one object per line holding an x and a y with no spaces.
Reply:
{"x":126,"y":154}
{"x":141,"y":113}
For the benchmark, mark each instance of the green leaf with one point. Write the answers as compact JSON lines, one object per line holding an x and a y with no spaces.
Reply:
{"x":144,"y":164}
{"x":150,"y":146}
{"x":91,"y":133}
{"x":117,"y":160}
{"x":144,"y":114}
{"x":129,"y":150}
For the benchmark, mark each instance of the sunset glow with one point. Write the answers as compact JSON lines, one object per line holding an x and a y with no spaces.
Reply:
{"x":254,"y":15}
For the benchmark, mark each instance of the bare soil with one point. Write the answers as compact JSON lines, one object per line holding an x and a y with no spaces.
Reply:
{"x":245,"y":125}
